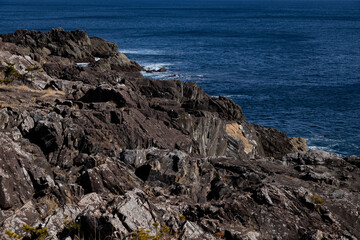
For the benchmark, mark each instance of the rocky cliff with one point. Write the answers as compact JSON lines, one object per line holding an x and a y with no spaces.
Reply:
{"x":90,"y":149}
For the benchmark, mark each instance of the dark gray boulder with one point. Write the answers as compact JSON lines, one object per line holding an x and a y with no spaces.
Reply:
{"x":98,"y":151}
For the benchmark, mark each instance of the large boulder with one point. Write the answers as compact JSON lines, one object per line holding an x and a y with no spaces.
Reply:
{"x":312,"y":157}
{"x":22,"y":174}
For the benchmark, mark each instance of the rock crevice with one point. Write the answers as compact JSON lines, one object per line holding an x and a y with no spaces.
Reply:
{"x":97,"y":151}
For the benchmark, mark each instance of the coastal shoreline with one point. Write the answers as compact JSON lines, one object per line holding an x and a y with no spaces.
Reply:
{"x":98,"y":151}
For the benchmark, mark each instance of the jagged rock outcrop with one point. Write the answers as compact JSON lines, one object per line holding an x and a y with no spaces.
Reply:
{"x":73,"y":45}
{"x":97,"y":151}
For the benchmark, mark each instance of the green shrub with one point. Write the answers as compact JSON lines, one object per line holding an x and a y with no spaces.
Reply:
{"x":35,"y":234}
{"x":70,"y":225}
{"x":33,"y":68}
{"x":142,"y":234}
{"x":182,"y":218}
{"x":12,"y":235}
{"x":317,"y":201}
{"x":10,"y":73}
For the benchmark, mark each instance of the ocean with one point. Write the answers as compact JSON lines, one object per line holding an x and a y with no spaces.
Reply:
{"x":291,"y":65}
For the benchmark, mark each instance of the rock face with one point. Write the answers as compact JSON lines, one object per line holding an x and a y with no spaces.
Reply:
{"x":74,"y":45}
{"x":96,"y":151}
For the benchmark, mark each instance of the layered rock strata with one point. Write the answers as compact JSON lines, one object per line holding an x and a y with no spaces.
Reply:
{"x":90,"y":149}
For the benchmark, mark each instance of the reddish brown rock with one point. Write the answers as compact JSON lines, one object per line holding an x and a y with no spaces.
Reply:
{"x":89,"y":146}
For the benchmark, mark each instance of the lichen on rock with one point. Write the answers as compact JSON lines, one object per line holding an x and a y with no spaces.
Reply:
{"x":100,"y":152}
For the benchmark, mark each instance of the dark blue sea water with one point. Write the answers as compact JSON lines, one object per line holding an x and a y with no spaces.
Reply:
{"x":292,"y":65}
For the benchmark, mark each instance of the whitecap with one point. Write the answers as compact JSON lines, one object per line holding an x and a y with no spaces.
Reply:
{"x":141,"y":51}
{"x":192,"y":77}
{"x":325,"y":139}
{"x":85,"y":64}
{"x":156,"y":66}
{"x":242,"y":96}
{"x":156,"y":75}
{"x":326,"y":149}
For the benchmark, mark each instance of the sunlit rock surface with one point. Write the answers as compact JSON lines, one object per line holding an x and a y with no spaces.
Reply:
{"x":97,"y":151}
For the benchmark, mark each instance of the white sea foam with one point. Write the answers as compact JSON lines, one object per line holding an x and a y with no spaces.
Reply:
{"x":325,"y":139}
{"x":155,"y":66}
{"x":158,"y":75}
{"x":86,"y":64}
{"x":327,"y":149}
{"x":242,"y":96}
{"x":192,"y":77}
{"x":141,"y":51}
{"x":168,"y":74}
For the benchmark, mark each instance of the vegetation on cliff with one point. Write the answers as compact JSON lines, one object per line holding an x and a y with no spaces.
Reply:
{"x":100,"y":152}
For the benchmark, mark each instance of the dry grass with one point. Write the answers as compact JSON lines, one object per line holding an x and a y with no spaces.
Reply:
{"x":50,"y":204}
{"x":14,"y":95}
{"x":23,"y":88}
{"x":52,"y":93}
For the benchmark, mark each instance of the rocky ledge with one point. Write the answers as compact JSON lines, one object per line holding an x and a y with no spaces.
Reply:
{"x":90,"y":149}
